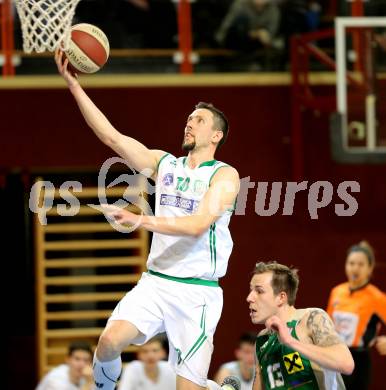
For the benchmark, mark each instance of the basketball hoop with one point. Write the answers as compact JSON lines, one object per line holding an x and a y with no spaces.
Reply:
{"x":45,"y":24}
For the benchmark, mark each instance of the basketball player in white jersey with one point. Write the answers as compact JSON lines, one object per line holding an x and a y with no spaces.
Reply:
{"x":191,"y":244}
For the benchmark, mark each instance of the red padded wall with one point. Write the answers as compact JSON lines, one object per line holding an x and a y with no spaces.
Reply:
{"x":49,"y":132}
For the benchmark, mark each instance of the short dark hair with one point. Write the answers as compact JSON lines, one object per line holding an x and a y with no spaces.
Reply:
{"x":80,"y":346}
{"x":161,"y":339}
{"x":219,"y":119}
{"x":247,"y":338}
{"x":283,"y":278}
{"x":365,"y":248}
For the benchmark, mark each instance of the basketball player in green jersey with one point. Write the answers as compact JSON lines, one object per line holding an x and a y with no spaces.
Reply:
{"x":191,"y":244}
{"x":299,"y":348}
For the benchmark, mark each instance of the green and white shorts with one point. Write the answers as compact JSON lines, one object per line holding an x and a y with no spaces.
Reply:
{"x":187,"y":309}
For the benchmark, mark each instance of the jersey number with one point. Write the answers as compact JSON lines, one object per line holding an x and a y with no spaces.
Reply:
{"x":182,"y":184}
{"x":275,"y":376}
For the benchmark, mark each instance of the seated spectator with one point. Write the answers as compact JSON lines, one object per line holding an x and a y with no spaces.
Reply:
{"x":76,"y":374}
{"x":294,"y":17}
{"x":313,"y":15}
{"x":209,"y":13}
{"x":244,"y":366}
{"x":149,"y":372}
{"x":249,"y":24}
{"x":298,"y":17}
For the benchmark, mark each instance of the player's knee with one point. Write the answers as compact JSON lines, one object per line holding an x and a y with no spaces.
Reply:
{"x":108,"y":347}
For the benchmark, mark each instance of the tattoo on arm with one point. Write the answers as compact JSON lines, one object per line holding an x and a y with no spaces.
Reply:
{"x":322,"y":329}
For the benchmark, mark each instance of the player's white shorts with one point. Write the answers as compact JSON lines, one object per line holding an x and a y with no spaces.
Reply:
{"x":188,"y":313}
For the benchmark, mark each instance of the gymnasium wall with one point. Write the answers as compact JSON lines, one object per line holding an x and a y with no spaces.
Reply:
{"x":42,"y":128}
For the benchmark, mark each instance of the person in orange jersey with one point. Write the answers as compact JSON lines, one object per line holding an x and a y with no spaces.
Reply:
{"x":358,"y":309}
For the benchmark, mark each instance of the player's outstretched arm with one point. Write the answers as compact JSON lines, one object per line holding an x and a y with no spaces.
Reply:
{"x":220,"y":196}
{"x":136,"y":154}
{"x":327,"y":348}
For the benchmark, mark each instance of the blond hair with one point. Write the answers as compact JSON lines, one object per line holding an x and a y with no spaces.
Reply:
{"x":283,"y":278}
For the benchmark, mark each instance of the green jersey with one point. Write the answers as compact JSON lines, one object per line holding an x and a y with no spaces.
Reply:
{"x":284,"y":368}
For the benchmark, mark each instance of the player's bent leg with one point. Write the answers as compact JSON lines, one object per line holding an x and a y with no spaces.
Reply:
{"x":191,"y":341}
{"x":107,"y":359}
{"x":114,"y":338}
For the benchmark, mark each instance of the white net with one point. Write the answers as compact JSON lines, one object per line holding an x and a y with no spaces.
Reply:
{"x":45,"y":24}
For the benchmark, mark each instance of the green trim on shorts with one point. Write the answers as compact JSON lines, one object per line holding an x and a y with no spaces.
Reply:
{"x":200,"y":341}
{"x":202,"y":282}
{"x":212,"y":247}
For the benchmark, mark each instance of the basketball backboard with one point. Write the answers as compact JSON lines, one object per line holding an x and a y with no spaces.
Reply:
{"x":358,"y":129}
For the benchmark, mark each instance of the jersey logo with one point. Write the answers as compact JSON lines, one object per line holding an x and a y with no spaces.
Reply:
{"x":188,"y":205}
{"x":182,"y":183}
{"x":293,"y":362}
{"x":199,"y":187}
{"x":346,"y":325}
{"x":167,"y":180}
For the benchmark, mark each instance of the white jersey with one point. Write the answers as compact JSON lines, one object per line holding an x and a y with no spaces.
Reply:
{"x":179,"y":190}
{"x":134,"y":377}
{"x":234,"y":369}
{"x":59,"y":379}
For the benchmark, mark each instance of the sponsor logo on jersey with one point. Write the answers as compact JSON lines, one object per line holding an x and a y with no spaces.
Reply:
{"x":346,"y":324}
{"x":199,"y":187}
{"x":264,"y":346}
{"x":188,"y":205}
{"x":173,"y":163}
{"x":167,"y":180}
{"x":182,"y":183}
{"x":293,"y":362}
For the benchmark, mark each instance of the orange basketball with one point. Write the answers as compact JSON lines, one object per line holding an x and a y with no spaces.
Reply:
{"x":88,"y":49}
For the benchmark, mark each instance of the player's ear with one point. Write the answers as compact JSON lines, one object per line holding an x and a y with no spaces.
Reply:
{"x":217,"y":136}
{"x":283,"y":297}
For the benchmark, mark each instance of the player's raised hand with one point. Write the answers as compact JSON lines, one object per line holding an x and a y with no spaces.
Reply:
{"x":62,"y":65}
{"x":277,"y":325}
